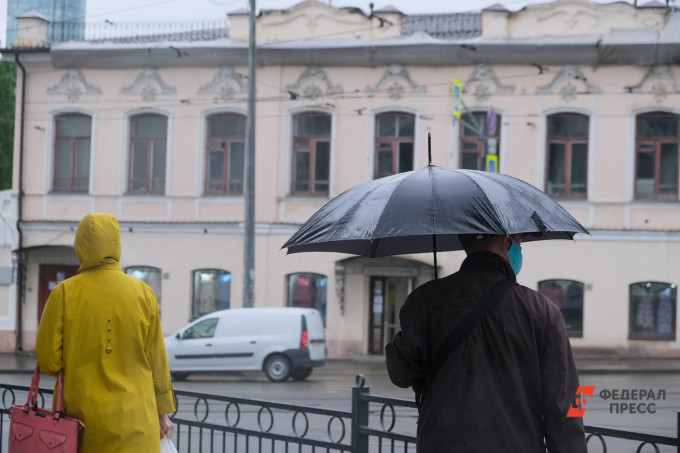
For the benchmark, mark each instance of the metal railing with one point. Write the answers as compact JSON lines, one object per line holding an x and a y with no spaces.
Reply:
{"x":137,"y":31}
{"x":376,"y":424}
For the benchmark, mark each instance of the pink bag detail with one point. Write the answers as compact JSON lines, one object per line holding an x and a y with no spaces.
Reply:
{"x":35,"y":430}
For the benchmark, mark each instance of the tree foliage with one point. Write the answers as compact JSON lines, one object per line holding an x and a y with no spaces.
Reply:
{"x":8,"y":83}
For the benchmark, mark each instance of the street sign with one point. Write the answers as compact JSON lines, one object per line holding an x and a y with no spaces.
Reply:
{"x":492,"y":163}
{"x":457,"y":102}
{"x":492,"y":121}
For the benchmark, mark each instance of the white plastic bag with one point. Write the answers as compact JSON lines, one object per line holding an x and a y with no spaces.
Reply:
{"x":167,"y":446}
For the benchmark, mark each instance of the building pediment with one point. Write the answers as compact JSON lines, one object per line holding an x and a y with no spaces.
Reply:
{"x":316,"y":20}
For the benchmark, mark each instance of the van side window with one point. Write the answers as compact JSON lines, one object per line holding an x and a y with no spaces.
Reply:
{"x":204,"y":329}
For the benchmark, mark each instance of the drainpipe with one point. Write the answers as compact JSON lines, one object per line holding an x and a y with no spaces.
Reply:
{"x":20,"y":254}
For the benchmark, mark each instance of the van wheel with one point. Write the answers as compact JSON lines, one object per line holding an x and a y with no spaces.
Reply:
{"x":179,"y":376}
{"x":277,"y":368}
{"x":300,"y":374}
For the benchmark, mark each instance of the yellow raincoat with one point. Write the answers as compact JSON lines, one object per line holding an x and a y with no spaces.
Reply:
{"x":103,"y":328}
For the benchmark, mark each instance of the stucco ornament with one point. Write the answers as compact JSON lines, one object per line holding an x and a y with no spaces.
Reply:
{"x":73,"y":85}
{"x":396,"y":82}
{"x":569,"y":82}
{"x":226,"y":84}
{"x":483,"y":84}
{"x":312,"y":83}
{"x":148,"y":86}
{"x":659,"y":81}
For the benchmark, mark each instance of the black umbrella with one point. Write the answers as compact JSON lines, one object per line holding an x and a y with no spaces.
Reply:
{"x":425,"y":210}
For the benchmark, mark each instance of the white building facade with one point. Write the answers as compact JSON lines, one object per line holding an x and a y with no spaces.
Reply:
{"x":152,"y":130}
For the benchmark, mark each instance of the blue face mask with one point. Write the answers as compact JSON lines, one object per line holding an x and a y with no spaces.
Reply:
{"x":515,"y":257}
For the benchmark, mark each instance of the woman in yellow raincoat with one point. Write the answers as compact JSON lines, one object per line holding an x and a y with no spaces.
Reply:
{"x":103,"y":328}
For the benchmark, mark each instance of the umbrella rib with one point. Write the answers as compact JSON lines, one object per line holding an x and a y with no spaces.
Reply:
{"x":497,"y":214}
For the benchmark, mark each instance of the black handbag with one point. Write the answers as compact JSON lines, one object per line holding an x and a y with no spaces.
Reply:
{"x":457,"y":335}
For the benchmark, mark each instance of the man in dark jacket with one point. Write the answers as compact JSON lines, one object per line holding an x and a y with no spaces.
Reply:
{"x":509,"y":384}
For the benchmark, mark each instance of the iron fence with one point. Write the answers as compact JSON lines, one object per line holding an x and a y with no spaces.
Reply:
{"x":137,"y":31}
{"x":374,"y":424}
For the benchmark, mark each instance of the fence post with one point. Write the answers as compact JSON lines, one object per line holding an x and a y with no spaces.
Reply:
{"x":677,"y":437}
{"x":359,"y":416}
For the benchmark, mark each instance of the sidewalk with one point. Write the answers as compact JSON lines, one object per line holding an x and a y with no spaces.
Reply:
{"x":375,"y":365}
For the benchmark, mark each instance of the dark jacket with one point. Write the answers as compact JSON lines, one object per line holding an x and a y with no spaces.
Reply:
{"x":509,"y":384}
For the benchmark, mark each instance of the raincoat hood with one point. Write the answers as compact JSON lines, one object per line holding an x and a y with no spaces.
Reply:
{"x":97,"y":241}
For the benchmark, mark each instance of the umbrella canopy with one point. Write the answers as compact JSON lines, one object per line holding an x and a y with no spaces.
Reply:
{"x":425,"y":210}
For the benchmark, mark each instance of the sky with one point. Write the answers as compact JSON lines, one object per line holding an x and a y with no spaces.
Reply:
{"x":179,"y":10}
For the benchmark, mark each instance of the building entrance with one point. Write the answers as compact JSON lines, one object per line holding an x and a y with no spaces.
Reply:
{"x":387,"y":296}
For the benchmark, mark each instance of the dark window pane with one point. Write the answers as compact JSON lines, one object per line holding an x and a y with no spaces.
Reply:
{"x":139,"y":161}
{"x":405,"y":157}
{"x":644,"y":184}
{"x":470,"y":161}
{"x":158,"y":167}
{"x":149,"y":275}
{"x":387,"y":125}
{"x":212,"y":288}
{"x":216,"y":165}
{"x":82,"y":159}
{"x":73,"y":125}
{"x":227,"y":126}
{"x":475,"y":125}
{"x":556,"y":169}
{"x":652,"y":310}
{"x":657,"y":125}
{"x":149,"y":126}
{"x":302,"y":170}
{"x":567,"y":126}
{"x":308,"y":290}
{"x":406,"y":125}
{"x":579,"y":163}
{"x":322,"y":161}
{"x":385,"y":162}
{"x":669,"y":169}
{"x":236,"y":166}
{"x":313,"y":125}
{"x":62,"y":164}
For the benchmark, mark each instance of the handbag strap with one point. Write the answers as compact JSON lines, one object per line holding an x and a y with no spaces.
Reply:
{"x":35,"y":389}
{"x":461,"y":331}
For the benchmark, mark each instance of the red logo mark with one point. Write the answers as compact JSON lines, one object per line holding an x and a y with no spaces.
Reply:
{"x":578,"y":407}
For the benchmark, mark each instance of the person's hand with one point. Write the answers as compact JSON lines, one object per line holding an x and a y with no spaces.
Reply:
{"x":167,"y":427}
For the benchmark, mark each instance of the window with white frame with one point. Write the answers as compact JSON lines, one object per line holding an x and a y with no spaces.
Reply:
{"x":394,"y":132}
{"x":72,"y":152}
{"x":149,"y":275}
{"x":567,"y":158}
{"x":656,"y":156}
{"x":567,"y":295}
{"x":652,"y":311}
{"x":225,"y":153}
{"x":148,"y":148}
{"x":307,"y":290}
{"x":475,"y":141}
{"x":311,"y":153}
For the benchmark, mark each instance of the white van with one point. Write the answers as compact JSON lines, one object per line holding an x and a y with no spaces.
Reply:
{"x":283,"y":342}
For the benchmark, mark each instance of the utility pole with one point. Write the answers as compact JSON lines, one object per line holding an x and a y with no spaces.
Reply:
{"x":249,"y":224}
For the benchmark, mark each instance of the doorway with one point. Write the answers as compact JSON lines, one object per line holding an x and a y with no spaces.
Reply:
{"x":387,"y":296}
{"x":49,"y":276}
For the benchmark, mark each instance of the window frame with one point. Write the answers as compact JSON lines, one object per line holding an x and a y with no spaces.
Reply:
{"x":309,"y":144}
{"x":394,"y":143}
{"x":73,"y":154}
{"x":149,"y":181}
{"x":653,"y":336}
{"x":656,"y":143}
{"x":151,"y":270}
{"x":227,"y":142}
{"x":321,"y":304}
{"x":479,"y":142}
{"x":568,"y":143}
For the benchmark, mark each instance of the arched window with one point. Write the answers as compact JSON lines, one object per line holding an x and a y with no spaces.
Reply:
{"x":567,"y":295}
{"x":211,"y":291}
{"x":311,"y":153}
{"x":72,"y":152}
{"x":652,"y":311}
{"x":475,"y":152}
{"x":225,"y":153}
{"x":308,"y":290}
{"x":567,"y":159}
{"x":394,"y":134}
{"x":656,"y":156}
{"x":149,"y":275}
{"x":148,"y":142}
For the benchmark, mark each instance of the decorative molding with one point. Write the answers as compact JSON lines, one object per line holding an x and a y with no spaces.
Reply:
{"x":225,"y":85}
{"x":659,"y":81}
{"x":73,"y":85}
{"x":312,"y":83}
{"x":483,"y":84}
{"x":148,"y":85}
{"x":569,"y":83}
{"x":396,"y":81}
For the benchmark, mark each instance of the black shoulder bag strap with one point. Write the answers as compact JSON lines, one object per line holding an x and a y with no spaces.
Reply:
{"x":459,"y":333}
